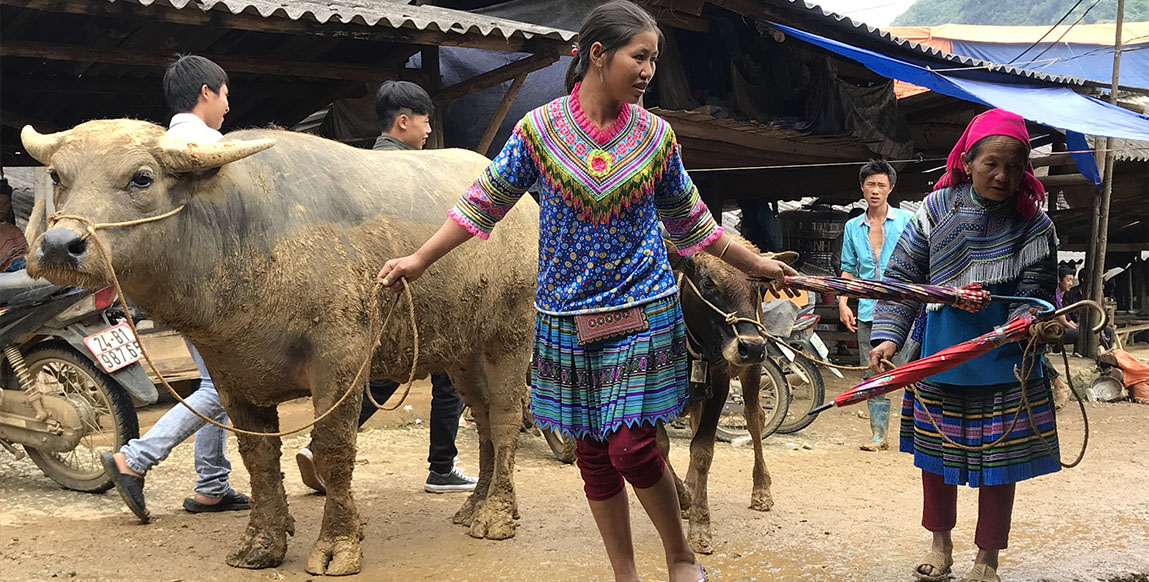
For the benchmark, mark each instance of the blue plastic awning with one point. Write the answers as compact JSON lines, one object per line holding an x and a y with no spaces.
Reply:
{"x":1054,"y":106}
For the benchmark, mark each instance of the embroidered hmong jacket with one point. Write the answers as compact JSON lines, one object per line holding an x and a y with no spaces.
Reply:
{"x":601,"y":197}
{"x":957,"y":238}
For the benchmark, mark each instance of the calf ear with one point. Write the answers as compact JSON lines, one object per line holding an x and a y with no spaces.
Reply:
{"x":676,"y":260}
{"x":182,"y":156}
{"x":788,"y":257}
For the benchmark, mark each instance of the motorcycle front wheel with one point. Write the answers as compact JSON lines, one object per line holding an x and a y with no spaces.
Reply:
{"x":775,"y":402}
{"x":105,"y":409}
{"x":807,"y":392}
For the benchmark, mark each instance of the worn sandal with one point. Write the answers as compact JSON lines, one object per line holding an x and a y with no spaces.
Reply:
{"x":231,"y":501}
{"x":941,"y":564}
{"x":982,"y":573}
{"x":131,"y":489}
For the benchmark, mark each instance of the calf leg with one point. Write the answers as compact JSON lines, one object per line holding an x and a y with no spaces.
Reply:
{"x":336,"y":552}
{"x":701,"y":455}
{"x":495,"y":518}
{"x":663,"y":440}
{"x":264,"y":543}
{"x":760,"y":498}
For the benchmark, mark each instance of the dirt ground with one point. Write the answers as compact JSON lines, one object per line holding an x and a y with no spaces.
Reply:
{"x":840,"y":513}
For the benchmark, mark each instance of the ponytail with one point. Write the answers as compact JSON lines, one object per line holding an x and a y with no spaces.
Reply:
{"x":577,"y":68}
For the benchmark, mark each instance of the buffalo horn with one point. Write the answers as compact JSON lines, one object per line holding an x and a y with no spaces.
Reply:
{"x":41,"y":146}
{"x":184,"y":156}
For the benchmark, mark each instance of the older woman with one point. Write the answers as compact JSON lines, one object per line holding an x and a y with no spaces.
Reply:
{"x":982,"y":224}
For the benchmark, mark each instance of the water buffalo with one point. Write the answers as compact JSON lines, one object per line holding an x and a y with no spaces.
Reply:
{"x":731,"y":351}
{"x":269,"y":271}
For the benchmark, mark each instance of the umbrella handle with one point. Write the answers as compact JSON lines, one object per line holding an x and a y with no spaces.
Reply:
{"x":1045,"y":309}
{"x":1102,"y":321}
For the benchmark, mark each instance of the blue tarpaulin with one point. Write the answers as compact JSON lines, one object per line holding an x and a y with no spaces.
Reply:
{"x":1054,"y":106}
{"x":1079,"y":151}
{"x":1084,"y":61}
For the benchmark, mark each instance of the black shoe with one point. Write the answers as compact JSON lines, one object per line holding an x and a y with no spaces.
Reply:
{"x":130,"y":488}
{"x":449,"y":482}
{"x":231,"y":501}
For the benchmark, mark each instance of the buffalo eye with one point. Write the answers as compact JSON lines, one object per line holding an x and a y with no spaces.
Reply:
{"x":141,"y":180}
{"x":55,"y":177}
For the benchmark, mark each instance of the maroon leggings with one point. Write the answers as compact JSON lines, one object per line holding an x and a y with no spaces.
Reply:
{"x":629,"y":452}
{"x":994,"y":510}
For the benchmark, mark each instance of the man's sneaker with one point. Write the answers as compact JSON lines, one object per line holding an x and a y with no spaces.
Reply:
{"x":449,"y":482}
{"x":311,"y":478}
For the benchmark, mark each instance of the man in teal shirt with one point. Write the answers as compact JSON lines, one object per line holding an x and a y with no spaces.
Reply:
{"x":867,"y":244}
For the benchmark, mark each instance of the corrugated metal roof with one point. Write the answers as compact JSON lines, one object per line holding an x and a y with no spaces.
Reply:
{"x":393,"y":14}
{"x":957,"y":62}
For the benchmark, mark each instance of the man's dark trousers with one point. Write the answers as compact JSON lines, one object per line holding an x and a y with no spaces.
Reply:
{"x":446,"y":406}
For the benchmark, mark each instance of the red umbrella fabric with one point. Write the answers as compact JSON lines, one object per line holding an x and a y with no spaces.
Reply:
{"x":1014,"y":330}
{"x":970,"y":297}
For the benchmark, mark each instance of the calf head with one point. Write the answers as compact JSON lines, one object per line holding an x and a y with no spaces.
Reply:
{"x":111,"y":171}
{"x":728,"y":290}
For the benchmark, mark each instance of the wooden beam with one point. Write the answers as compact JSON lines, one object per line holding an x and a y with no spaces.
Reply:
{"x":500,"y":114}
{"x":281,"y":25}
{"x":135,"y":57}
{"x":1111,"y":247}
{"x":430,"y":65}
{"x":807,"y":152}
{"x":494,"y":77}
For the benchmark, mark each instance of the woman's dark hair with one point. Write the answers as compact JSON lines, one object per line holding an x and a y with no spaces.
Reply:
{"x":612,"y":25}
{"x":395,"y":97}
{"x":184,"y":78}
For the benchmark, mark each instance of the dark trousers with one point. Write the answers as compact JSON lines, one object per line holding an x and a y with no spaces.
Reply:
{"x":446,"y":406}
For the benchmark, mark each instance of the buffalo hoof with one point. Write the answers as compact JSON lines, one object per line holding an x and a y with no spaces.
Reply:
{"x":466,"y":514}
{"x":259,"y":549}
{"x":699,"y":540}
{"x":761,"y":501}
{"x":339,"y":557}
{"x":493,"y":521}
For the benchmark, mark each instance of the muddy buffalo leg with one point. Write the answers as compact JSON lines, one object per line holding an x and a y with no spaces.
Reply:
{"x":471,"y":383}
{"x":495,"y":518}
{"x":337,"y":551}
{"x":264,"y":543}
{"x":760,"y":498}
{"x":701,"y":455}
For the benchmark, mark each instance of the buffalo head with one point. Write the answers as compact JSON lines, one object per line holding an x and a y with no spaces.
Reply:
{"x":111,"y":171}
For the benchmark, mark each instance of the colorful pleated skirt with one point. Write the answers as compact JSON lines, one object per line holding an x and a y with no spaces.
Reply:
{"x":976,"y":416}
{"x":592,"y":390}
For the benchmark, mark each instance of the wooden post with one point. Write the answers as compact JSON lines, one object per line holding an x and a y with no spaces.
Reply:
{"x":1088,"y":345}
{"x":500,"y":114}
{"x":430,"y":67}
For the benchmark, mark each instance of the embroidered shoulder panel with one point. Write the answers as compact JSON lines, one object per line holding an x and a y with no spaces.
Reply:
{"x":598,"y":180}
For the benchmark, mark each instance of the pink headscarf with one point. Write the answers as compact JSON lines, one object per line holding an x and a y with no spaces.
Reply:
{"x":1031,"y":192}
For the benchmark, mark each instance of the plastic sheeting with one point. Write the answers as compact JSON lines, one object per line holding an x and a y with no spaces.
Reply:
{"x":1083,"y":61}
{"x":1051,"y":105}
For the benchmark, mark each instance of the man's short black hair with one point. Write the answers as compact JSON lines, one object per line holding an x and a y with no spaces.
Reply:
{"x":184,"y":78}
{"x":875,"y":167}
{"x":394,"y":97}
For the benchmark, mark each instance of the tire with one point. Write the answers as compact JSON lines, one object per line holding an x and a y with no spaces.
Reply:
{"x":81,"y":469}
{"x":775,"y":402}
{"x":561,"y":445}
{"x":807,"y":392}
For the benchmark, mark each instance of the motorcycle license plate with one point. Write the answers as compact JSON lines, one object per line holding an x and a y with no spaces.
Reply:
{"x":819,"y":346}
{"x":115,"y":347}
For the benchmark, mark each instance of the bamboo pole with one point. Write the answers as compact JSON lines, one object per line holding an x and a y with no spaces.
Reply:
{"x":1088,"y":344}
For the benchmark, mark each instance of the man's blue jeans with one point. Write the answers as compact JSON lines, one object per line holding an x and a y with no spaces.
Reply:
{"x":211,"y":463}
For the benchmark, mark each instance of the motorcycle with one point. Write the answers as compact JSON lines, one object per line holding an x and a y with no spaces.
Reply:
{"x":67,"y":379}
{"x":804,"y":377}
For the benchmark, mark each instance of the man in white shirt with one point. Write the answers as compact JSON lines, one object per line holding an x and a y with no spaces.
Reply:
{"x":196,"y":89}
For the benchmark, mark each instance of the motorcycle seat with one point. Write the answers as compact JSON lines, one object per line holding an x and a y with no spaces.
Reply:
{"x":18,"y":287}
